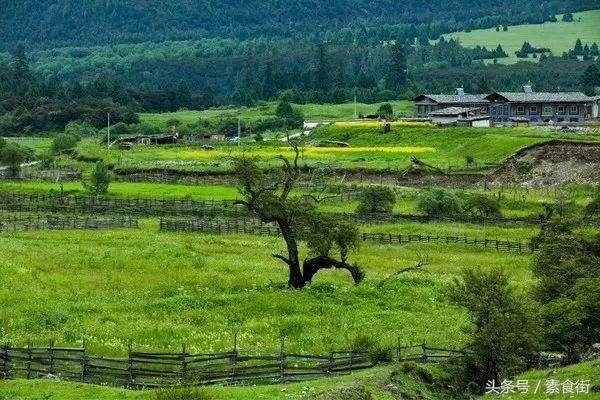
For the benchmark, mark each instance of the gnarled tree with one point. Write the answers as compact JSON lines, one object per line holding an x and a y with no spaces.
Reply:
{"x":268,"y":197}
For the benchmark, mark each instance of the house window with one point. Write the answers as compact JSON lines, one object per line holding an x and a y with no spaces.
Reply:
{"x":574,"y":110}
{"x":548,"y":110}
{"x":560,"y":109}
{"x":520,"y":110}
{"x":533,"y":110}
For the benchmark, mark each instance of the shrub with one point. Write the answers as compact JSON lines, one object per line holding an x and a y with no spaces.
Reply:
{"x":376,"y":199}
{"x":80,"y":129}
{"x":120,"y":129}
{"x":523,"y":167}
{"x":482,"y":206}
{"x":13,"y":156}
{"x":386,"y":110}
{"x":99,"y":180}
{"x":293,"y":117}
{"x":593,"y":208}
{"x":438,"y":202}
{"x":469,"y":159}
{"x":64,"y":141}
{"x":366,"y":344}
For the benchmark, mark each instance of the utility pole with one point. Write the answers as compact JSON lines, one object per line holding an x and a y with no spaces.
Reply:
{"x":355,"y":115}
{"x":108,"y":130}
{"x":239,"y":129}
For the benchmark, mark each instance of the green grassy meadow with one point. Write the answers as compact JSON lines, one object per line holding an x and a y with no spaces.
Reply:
{"x":311,"y":112}
{"x":558,"y":36}
{"x":163,"y":289}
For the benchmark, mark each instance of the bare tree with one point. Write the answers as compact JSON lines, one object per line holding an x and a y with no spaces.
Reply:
{"x":268,"y":196}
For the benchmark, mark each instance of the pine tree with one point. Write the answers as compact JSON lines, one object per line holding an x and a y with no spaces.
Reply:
{"x":21,"y":74}
{"x":590,"y":79}
{"x":578,"y":47}
{"x":321,"y":73}
{"x":483,"y":86}
{"x":397,"y":67}
{"x":268,"y":85}
{"x":184,"y":96}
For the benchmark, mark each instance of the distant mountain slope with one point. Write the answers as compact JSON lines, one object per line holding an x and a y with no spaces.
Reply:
{"x":54,"y":23}
{"x":557,"y":36}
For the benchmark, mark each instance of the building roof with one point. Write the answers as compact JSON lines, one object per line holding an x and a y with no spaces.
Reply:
{"x":453,"y":98}
{"x":541,"y":97}
{"x":475,"y":118}
{"x":452,"y":111}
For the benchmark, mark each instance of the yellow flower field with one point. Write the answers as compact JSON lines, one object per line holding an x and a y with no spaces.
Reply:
{"x":307,"y":151}
{"x":377,"y":124}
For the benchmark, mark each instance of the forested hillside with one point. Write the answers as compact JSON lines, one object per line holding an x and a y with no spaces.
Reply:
{"x":54,"y":23}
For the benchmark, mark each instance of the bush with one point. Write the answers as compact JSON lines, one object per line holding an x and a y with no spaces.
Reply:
{"x":366,"y":344}
{"x":593,"y":208}
{"x":386,"y":110}
{"x":80,"y":129}
{"x":13,"y":156}
{"x":376,"y":199}
{"x":482,"y":206}
{"x":64,"y":141}
{"x":99,"y":180}
{"x":438,"y":202}
{"x":523,"y":167}
{"x":293,"y":117}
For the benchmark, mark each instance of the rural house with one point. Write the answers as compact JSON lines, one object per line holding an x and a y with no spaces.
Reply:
{"x":426,"y":103}
{"x":527,"y":106}
{"x":540,"y":107}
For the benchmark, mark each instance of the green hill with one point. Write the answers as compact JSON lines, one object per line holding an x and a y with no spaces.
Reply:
{"x":557,"y":36}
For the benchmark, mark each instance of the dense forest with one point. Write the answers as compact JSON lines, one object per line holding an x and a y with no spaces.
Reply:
{"x":58,"y":23}
{"x":358,"y":55}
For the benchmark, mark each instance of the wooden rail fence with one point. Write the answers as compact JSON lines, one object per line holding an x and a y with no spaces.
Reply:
{"x":147,"y":369}
{"x":37,"y":223}
{"x":54,"y":203}
{"x":25,"y":202}
{"x":255,"y":227}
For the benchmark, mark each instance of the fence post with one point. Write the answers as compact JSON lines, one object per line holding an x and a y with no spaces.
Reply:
{"x":330,"y":360}
{"x":84,"y":360}
{"x":183,"y":370}
{"x":29,"y":359}
{"x":424,"y":355}
{"x":130,"y":362}
{"x":5,"y":361}
{"x":351,"y":355}
{"x":282,"y":360}
{"x":51,"y":358}
{"x":398,"y":349}
{"x":234,"y":357}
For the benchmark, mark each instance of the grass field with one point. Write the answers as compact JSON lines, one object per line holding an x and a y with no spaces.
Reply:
{"x":558,"y":36}
{"x":164,"y":289}
{"x":267,"y":109}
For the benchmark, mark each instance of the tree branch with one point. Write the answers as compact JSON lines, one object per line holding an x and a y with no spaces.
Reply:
{"x":313,"y":265}
{"x":280,"y":257}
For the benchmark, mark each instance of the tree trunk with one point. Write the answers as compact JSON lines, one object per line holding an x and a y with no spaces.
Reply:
{"x":313,"y":265}
{"x":295,"y":279}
